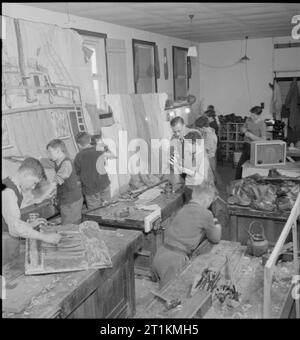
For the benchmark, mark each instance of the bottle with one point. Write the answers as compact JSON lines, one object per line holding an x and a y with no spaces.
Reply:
{"x":218,"y":225}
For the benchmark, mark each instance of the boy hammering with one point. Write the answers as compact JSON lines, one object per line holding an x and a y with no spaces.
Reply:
{"x":29,"y":174}
{"x":69,"y":194}
{"x":95,"y":185}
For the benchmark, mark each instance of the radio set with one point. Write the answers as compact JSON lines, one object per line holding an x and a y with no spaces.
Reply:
{"x":265,"y":153}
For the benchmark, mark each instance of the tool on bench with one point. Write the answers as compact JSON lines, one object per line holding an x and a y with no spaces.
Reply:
{"x":139,"y":192}
{"x":207,"y":281}
{"x":227,"y":291}
{"x":169,"y":304}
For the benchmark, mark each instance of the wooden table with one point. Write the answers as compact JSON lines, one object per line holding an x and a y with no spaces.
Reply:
{"x":293,"y":153}
{"x":102,"y":293}
{"x":248,"y":277}
{"x":106,"y":218}
{"x":241,"y":217}
{"x":289,"y":169}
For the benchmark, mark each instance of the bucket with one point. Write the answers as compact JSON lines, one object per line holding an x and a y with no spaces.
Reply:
{"x":236,"y":158}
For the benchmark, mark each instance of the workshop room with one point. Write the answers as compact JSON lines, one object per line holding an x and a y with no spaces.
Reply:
{"x":150,"y":160}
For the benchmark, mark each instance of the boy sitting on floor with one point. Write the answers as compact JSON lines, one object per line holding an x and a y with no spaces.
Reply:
{"x":187,"y":230}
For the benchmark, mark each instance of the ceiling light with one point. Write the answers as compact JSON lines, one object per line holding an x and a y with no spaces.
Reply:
{"x":245,"y":57}
{"x":192,"y":51}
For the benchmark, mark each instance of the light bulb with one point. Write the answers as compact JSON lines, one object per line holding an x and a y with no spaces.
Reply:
{"x":187,"y":110}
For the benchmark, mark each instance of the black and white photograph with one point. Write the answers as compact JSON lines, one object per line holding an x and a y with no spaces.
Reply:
{"x":150,"y":163}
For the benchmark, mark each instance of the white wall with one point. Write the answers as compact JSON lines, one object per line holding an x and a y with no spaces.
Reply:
{"x":114,"y":32}
{"x":227,"y":88}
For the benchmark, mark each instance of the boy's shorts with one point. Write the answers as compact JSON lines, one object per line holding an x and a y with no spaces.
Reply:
{"x":71,"y":213}
{"x":96,"y":200}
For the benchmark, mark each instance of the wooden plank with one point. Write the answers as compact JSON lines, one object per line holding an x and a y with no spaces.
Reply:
{"x":196,"y":306}
{"x":180,"y":286}
{"x":247,"y":275}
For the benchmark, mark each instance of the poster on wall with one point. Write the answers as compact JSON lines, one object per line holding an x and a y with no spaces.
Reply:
{"x":60,"y":124}
{"x":5,"y":136}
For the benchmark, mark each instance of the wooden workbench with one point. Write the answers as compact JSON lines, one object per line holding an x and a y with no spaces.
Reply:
{"x":106,"y":218}
{"x":101,"y":293}
{"x":241,"y":217}
{"x":289,"y":169}
{"x":248,"y":276}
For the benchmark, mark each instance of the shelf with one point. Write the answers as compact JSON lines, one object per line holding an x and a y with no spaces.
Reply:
{"x":232,"y":141}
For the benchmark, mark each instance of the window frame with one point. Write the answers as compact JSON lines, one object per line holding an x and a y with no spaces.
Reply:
{"x":148,"y":43}
{"x":174,"y":48}
{"x":97,"y":35}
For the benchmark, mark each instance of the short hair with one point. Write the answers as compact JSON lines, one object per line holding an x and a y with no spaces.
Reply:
{"x":95,"y":138}
{"x":57,"y":144}
{"x":177,"y":120}
{"x":202,"y":121}
{"x":33,"y":166}
{"x":256,"y":110}
{"x":204,"y":194}
{"x":193,"y":135}
{"x":210,"y":113}
{"x":211,"y":107}
{"x":83,"y":139}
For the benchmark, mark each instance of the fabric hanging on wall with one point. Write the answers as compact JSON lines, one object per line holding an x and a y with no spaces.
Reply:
{"x":292,"y":102}
{"x":129,"y":122}
{"x":119,"y":182}
{"x":276,"y":102}
{"x":166,"y":70}
{"x":156,"y":58}
{"x":130,"y":113}
{"x":143,"y":131}
{"x":48,"y":57}
{"x":123,"y":114}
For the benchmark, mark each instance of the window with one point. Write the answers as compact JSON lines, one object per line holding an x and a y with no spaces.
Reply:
{"x":98,"y":65}
{"x":180,"y":73}
{"x":96,"y":43}
{"x":145,"y":66}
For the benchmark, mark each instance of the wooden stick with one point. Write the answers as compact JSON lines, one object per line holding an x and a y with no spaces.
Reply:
{"x":271,"y":263}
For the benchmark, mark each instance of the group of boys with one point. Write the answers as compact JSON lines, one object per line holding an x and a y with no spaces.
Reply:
{"x":72,"y":181}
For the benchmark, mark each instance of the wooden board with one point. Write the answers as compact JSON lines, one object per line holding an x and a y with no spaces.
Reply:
{"x":81,"y":247}
{"x":247,"y":275}
{"x":59,"y":295}
{"x":195,"y":307}
{"x":248,"y":211}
